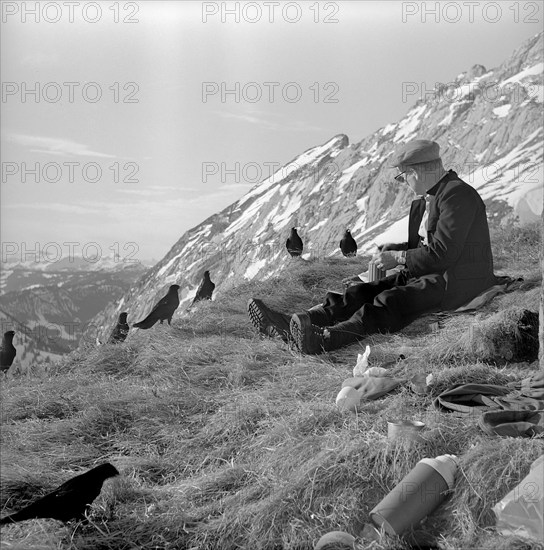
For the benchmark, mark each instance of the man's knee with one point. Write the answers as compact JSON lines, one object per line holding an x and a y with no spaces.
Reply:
{"x":388,"y":298}
{"x":359,"y":294}
{"x":416,"y":297}
{"x":332,"y":299}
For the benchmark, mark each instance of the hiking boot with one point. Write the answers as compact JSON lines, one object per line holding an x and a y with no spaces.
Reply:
{"x":346,"y":333}
{"x":308,"y":338}
{"x":267,"y":321}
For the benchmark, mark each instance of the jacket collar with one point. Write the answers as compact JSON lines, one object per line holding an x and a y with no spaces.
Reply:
{"x":449,"y":175}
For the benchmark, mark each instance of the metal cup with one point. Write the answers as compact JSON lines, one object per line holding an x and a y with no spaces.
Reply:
{"x":374,"y":272}
{"x":408,"y":430}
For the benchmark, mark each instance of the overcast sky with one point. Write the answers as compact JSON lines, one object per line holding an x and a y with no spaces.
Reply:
{"x":134,"y":137}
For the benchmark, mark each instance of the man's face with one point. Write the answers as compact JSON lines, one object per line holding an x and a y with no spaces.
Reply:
{"x":416,"y":182}
{"x":413,"y":179}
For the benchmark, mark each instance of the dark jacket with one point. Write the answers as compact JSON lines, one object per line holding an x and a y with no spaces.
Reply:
{"x":459,"y":247}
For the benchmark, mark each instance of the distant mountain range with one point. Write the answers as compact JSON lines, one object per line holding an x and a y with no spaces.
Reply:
{"x":50,"y":305}
{"x":17,"y":274}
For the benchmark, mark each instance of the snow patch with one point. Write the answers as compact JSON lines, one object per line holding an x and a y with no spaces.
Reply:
{"x":395,"y":233}
{"x":388,"y":128}
{"x":502,"y":111}
{"x":448,"y":119}
{"x":408,"y":125}
{"x":320,"y":224}
{"x":249,"y":215}
{"x":167,"y":266}
{"x":518,"y":77}
{"x":529,"y":207}
{"x":254,"y":268}
{"x":466,"y":89}
{"x":348,"y":172}
{"x":293,"y":204}
{"x":514,"y":176}
{"x":362,"y":204}
{"x":480,"y":156}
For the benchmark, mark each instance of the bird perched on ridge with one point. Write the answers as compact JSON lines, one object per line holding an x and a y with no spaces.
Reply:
{"x":348,"y":246}
{"x":120,"y":332}
{"x":7,"y":351}
{"x":68,"y":501}
{"x":294,"y":243}
{"x":164,"y":309}
{"x":205,"y":290}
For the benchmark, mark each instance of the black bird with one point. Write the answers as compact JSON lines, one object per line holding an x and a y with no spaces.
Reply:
{"x":205,"y":290}
{"x":7,"y":351}
{"x":120,"y":332}
{"x":68,"y":501}
{"x":348,"y":246}
{"x":294,"y":243}
{"x":162,"y":310}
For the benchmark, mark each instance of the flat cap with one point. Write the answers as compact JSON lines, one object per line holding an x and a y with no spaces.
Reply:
{"x":415,"y":152}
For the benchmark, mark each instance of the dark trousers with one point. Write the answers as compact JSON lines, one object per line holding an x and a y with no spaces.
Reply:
{"x":387,"y":305}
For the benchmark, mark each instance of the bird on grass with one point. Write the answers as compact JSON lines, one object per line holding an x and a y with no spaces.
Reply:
{"x":294,"y":243}
{"x":164,"y":309}
{"x":120,"y":332}
{"x":348,"y":246}
{"x":68,"y":501}
{"x":205,"y":290}
{"x":7,"y":351}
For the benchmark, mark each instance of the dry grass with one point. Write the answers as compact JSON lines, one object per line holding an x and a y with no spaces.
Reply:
{"x":228,"y":441}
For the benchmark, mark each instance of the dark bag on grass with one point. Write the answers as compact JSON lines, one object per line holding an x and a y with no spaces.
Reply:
{"x":470,"y":398}
{"x":512,"y":423}
{"x":526,"y":395}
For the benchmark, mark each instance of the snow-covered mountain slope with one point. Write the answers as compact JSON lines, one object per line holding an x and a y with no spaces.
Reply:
{"x":488,"y":124}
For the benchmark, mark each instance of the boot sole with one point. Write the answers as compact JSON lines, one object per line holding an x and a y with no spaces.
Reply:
{"x":260,"y":320}
{"x":301,"y":331}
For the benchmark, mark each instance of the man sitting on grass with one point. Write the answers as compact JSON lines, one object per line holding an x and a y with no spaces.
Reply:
{"x":446,"y":261}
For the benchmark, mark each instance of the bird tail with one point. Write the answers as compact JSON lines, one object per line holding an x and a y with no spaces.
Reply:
{"x":146,"y":323}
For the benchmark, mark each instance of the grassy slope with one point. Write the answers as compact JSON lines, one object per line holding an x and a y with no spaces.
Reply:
{"x":226,"y":440}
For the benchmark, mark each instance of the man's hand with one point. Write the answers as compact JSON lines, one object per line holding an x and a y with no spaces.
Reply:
{"x":387,"y":260}
{"x":348,"y":281}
